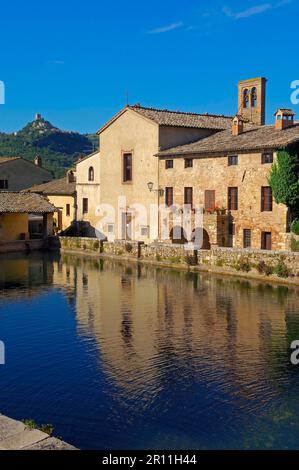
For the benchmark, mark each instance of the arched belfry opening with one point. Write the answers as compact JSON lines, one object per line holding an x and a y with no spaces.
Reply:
{"x":252,"y":100}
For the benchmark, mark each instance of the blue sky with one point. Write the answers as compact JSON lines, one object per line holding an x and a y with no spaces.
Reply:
{"x":74,"y":61}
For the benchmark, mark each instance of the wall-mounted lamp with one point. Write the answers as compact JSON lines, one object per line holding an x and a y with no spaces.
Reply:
{"x":151,"y":189}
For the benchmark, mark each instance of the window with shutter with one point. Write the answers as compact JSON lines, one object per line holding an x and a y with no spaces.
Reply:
{"x":209,"y":199}
{"x":266,"y":241}
{"x":266,"y":199}
{"x":188,"y":196}
{"x":85,"y":205}
{"x":232,"y":202}
{"x":169,"y":196}
{"x":127,"y":167}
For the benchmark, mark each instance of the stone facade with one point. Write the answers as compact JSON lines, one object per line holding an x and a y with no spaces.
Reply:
{"x":251,"y":263}
{"x":149,"y":139}
{"x":249,"y":175}
{"x":88,"y":188}
{"x":141,"y":137}
{"x":252,"y":99}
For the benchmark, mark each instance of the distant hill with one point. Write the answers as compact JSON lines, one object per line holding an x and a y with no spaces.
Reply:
{"x":58,"y":149}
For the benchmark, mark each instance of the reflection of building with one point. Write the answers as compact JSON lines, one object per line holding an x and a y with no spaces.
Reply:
{"x":34,"y":272}
{"x":149,"y":324}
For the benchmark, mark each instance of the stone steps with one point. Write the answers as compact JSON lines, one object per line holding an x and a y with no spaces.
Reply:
{"x":14,"y":435}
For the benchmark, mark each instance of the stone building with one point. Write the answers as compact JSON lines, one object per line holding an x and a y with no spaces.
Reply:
{"x":227,"y":174}
{"x":62,"y":194}
{"x":88,"y":192}
{"x":150,"y":157}
{"x":26,"y":221}
{"x":129,"y":172}
{"x":17,"y":173}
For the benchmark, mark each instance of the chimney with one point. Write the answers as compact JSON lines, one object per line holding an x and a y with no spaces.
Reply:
{"x":284,"y":118}
{"x":71,"y":178}
{"x":38,"y":117}
{"x":38,"y":161}
{"x":237,"y":125}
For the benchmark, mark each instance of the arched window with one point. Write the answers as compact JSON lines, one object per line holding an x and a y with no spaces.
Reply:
{"x":246,"y":98}
{"x":253,"y":97}
{"x":91,"y":174}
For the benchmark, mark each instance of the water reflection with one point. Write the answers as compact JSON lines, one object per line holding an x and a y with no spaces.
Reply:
{"x":188,"y":359}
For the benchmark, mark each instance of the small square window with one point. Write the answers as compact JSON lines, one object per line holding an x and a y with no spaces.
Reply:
{"x":144,"y":231}
{"x":168,"y":164}
{"x":267,"y":158}
{"x":3,"y":184}
{"x":188,"y":162}
{"x":232,"y":160}
{"x":110,"y":228}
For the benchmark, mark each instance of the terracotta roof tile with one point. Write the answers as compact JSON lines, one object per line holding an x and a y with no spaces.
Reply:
{"x":252,"y":139}
{"x":60,"y":186}
{"x":24,"y":202}
{"x":165,"y":117}
{"x":8,"y":159}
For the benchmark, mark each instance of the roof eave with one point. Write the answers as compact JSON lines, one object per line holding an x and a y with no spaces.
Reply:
{"x":219,"y":152}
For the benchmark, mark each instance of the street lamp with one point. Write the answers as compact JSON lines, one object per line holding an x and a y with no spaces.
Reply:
{"x":151,"y":189}
{"x":150,"y":186}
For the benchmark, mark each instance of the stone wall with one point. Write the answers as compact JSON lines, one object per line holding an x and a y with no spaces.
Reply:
{"x":251,"y":262}
{"x":22,"y":246}
{"x":214,"y":173}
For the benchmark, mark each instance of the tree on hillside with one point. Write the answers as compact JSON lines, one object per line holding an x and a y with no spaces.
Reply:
{"x":284,"y":181}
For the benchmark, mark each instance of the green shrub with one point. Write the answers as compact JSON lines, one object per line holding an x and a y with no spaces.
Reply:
{"x":158,"y":257}
{"x":264,"y":268}
{"x":96,"y":245}
{"x":31,"y":424}
{"x":295,"y":227}
{"x":281,"y":269}
{"x":191,"y":260}
{"x":129,"y":248}
{"x":175,"y":259}
{"x":219,"y":262}
{"x":243,"y":265}
{"x":294,"y":244}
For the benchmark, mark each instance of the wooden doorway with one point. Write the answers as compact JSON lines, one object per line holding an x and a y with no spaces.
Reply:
{"x":266,"y":241}
{"x":126,"y":226}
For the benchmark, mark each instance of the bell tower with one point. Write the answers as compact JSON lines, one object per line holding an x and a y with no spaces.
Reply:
{"x":252,"y":100}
